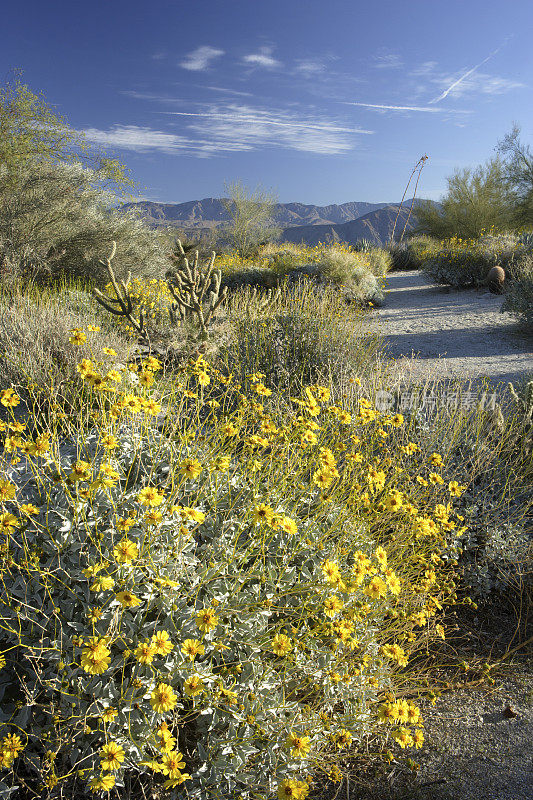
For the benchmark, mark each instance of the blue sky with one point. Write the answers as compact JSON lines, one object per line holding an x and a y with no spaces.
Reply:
{"x":322,"y":101}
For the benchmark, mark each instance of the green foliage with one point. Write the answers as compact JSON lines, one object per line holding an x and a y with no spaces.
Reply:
{"x":60,"y":219}
{"x":358,"y":275}
{"x":187,"y":595}
{"x":252,"y":218}
{"x":518,"y":176}
{"x":379,"y":259}
{"x":519,"y":294}
{"x":35,"y":332}
{"x":465,"y":263}
{"x":306,"y":336}
{"x":31,"y":133}
{"x":353,"y":272}
{"x":409,"y":254}
{"x":476,"y":201}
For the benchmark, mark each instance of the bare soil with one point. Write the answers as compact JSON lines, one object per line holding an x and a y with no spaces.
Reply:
{"x":434,"y":331}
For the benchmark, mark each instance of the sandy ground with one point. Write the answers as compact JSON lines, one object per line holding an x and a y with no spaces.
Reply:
{"x":435,"y":331}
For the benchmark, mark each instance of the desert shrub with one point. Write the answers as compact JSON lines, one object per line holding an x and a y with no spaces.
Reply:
{"x":60,"y":221}
{"x":260,"y":277}
{"x":39,"y":358}
{"x":306,"y":336}
{"x":519,"y":293}
{"x":484,"y":446}
{"x":410,"y":254}
{"x":477,"y":200}
{"x":495,"y":563}
{"x":226,"y":603}
{"x":352,"y":271}
{"x":465,"y":263}
{"x":379,"y":259}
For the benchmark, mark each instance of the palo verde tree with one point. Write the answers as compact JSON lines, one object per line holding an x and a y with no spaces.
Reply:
{"x":518,"y":175}
{"x":32,"y":133}
{"x":59,"y":198}
{"x":252,"y":217}
{"x":476,"y":201}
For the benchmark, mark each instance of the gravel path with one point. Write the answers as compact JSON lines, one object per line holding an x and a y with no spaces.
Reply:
{"x":435,"y":331}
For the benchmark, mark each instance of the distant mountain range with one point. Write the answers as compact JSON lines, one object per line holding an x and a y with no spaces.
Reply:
{"x":310,"y":224}
{"x":377,"y":227}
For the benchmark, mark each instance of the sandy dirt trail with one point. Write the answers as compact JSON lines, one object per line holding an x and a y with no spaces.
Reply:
{"x":433,"y":331}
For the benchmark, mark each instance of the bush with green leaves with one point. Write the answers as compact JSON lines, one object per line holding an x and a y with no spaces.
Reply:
{"x":409,"y":254}
{"x":59,"y":220}
{"x":211,"y":602}
{"x":379,"y":259}
{"x":465,"y":263}
{"x":305,"y":336}
{"x":358,"y":274}
{"x":39,"y":358}
{"x":519,"y":294}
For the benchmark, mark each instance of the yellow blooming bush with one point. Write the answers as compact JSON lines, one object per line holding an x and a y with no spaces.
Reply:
{"x":359,"y":274}
{"x":464,"y":263}
{"x":222,"y":603}
{"x":151,"y":297}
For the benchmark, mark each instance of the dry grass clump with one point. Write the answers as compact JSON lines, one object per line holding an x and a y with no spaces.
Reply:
{"x":39,"y":358}
{"x":304,"y":336}
{"x":357,"y":274}
{"x":519,"y":293}
{"x":408,"y":255}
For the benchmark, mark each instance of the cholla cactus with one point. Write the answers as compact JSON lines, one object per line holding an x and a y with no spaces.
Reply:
{"x":122,"y":304}
{"x":189,"y":285}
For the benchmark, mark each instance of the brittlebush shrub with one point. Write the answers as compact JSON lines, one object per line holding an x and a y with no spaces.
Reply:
{"x":519,"y":294}
{"x":358,"y":275}
{"x":224,"y":603}
{"x":408,"y":255}
{"x":304,"y":336}
{"x":465,"y":263}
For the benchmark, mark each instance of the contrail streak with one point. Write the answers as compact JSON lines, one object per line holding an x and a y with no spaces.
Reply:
{"x":447,"y":91}
{"x":396,"y":108}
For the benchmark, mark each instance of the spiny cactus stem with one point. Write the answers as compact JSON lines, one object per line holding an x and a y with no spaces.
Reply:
{"x":123,"y":299}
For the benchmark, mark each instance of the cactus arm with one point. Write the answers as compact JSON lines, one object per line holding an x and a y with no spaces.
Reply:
{"x":122,"y":305}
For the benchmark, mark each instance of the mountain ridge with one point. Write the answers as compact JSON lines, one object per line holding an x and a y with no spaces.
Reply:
{"x":210,"y":212}
{"x":377,"y":227}
{"x":300,"y":222}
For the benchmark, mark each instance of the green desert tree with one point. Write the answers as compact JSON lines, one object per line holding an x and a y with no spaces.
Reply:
{"x":60,"y":220}
{"x":252,"y":217}
{"x":518,"y":174}
{"x":476,"y":200}
{"x":31,"y":132}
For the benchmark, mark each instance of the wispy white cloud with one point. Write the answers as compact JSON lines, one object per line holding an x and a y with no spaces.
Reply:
{"x":227,"y":91}
{"x":387,"y":60}
{"x":135,"y":137}
{"x":263,"y":58}
{"x":240,"y":127}
{"x":477,"y":83}
{"x":381,"y":106}
{"x":310,"y":67}
{"x":459,"y":80}
{"x":201,"y":58}
{"x":472,"y":80}
{"x":158,"y":98}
